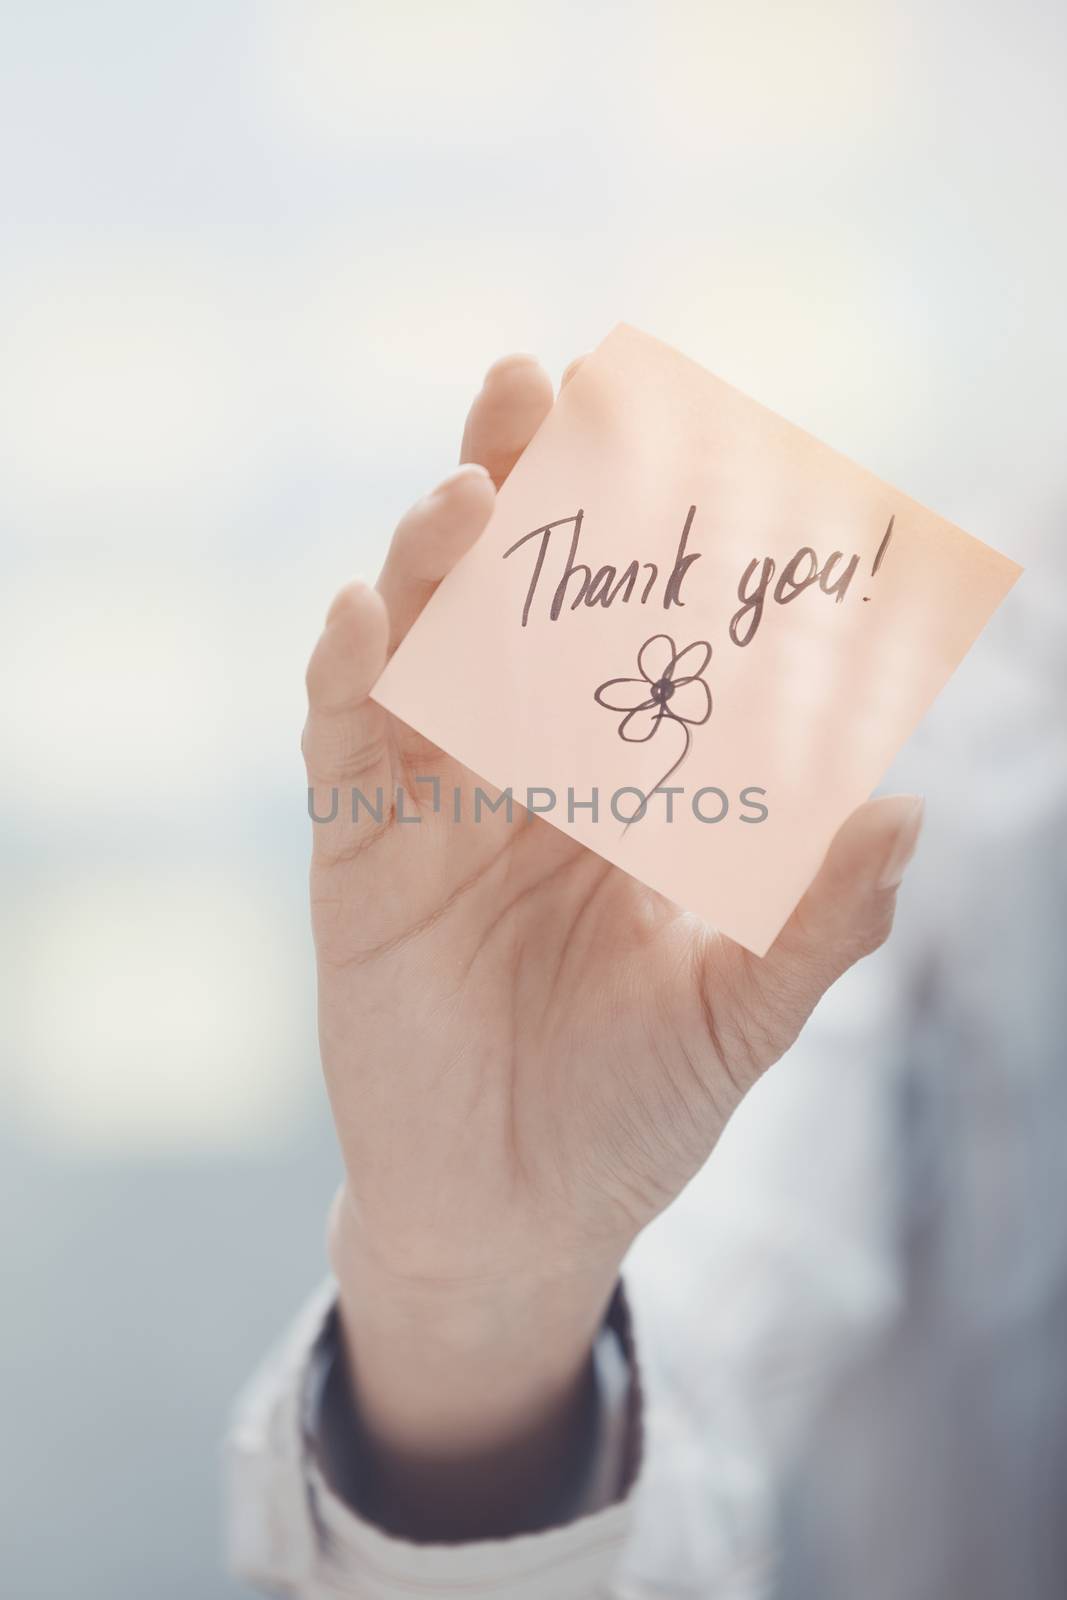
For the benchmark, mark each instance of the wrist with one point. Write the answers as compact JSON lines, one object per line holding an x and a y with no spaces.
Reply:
{"x":474,"y":1394}
{"x":458,"y":1358}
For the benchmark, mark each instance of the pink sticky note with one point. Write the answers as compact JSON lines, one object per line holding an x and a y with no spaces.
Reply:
{"x":680,"y":590}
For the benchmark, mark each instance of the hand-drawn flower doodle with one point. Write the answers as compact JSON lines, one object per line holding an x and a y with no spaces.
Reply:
{"x":671,"y":688}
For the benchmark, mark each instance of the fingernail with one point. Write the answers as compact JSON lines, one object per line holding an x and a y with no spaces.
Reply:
{"x":904,"y":842}
{"x":469,"y":469}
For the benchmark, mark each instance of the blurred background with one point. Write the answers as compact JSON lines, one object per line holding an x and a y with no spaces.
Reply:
{"x":255,"y":257}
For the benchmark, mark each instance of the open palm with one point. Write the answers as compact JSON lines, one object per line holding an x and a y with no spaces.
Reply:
{"x":528,"y":1052}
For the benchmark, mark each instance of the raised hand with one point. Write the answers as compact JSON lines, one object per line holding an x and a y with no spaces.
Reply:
{"x":528,"y":1053}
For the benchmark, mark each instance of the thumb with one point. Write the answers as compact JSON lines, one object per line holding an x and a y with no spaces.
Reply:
{"x":848,"y":910}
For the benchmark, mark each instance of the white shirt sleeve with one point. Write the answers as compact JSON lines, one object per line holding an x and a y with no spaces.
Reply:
{"x":290,"y":1531}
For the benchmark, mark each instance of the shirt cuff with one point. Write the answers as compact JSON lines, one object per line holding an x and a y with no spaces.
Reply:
{"x":290,"y":1529}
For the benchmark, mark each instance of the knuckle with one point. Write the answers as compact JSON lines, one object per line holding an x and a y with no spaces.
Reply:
{"x":336,"y":751}
{"x":878,"y":926}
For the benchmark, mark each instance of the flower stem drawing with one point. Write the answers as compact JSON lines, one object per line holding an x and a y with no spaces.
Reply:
{"x":670,"y":690}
